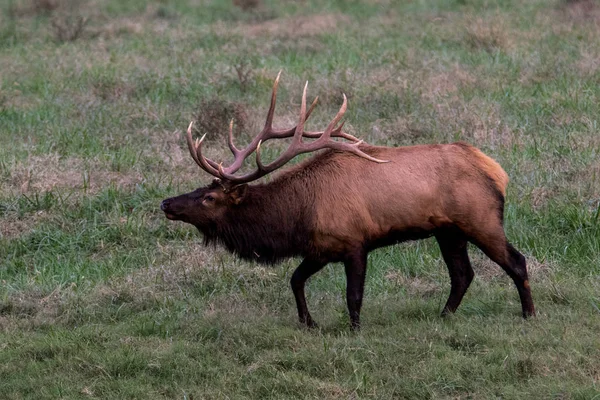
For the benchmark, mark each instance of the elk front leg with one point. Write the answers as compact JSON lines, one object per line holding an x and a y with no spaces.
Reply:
{"x":305,"y":270}
{"x":356,"y":268}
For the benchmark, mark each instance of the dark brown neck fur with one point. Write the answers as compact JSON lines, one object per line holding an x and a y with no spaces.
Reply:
{"x":274,"y":221}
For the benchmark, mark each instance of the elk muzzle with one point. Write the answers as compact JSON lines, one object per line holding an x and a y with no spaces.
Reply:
{"x":166,"y":207}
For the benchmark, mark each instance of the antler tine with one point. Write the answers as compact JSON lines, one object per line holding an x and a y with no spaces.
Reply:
{"x":354,"y":149}
{"x":271,"y":112}
{"x":232,"y":147}
{"x":337,"y":132}
{"x":286,"y":133}
{"x":311,"y":108}
{"x":259,"y":163}
{"x":327,"y":133}
{"x":196,"y":152}
{"x":325,"y":139}
{"x":300,"y":127}
{"x":191,"y":146}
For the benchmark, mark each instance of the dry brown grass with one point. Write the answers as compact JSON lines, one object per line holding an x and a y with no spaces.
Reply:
{"x":180,"y":268}
{"x":441,"y":83}
{"x":417,"y":286}
{"x":580,"y":16}
{"x":112,"y":90}
{"x":589,"y":63}
{"x":11,"y":226}
{"x":477,"y":121}
{"x":32,"y":308}
{"x":176,"y":271}
{"x":51,"y":172}
{"x":114,"y":28}
{"x":586,"y":183}
{"x":486,"y":270}
{"x":295,"y":27}
{"x":488,"y":34}
{"x":15,"y":98}
{"x":27,"y":8}
{"x":402,"y":130}
{"x":581,"y":10}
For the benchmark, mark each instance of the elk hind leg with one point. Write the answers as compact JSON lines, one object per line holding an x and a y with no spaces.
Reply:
{"x":453,"y":246}
{"x":494,"y":244}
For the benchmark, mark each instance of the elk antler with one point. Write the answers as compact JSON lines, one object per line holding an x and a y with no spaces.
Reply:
{"x":323,"y":140}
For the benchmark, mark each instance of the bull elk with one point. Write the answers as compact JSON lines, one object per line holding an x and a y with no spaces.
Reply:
{"x":351,"y":199}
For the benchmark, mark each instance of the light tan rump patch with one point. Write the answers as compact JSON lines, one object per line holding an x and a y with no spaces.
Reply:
{"x":492,"y":169}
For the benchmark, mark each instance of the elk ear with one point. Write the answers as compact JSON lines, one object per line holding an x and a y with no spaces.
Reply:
{"x":238,"y":193}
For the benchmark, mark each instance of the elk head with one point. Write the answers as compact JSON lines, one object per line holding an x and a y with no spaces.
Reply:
{"x":206,"y":206}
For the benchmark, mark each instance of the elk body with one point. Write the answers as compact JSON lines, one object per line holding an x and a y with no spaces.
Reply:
{"x":350,"y":199}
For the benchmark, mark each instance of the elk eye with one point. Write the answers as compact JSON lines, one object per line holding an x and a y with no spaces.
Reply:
{"x":209,"y":198}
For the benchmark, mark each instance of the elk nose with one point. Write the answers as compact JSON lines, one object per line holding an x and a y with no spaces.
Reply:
{"x":164,"y":205}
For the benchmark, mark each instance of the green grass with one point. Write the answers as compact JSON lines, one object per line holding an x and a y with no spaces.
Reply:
{"x":102,"y":297}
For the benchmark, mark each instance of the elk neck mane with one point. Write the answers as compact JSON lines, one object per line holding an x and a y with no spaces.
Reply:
{"x":275,"y":219}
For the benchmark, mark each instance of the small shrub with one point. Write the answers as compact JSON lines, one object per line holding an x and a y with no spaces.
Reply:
{"x":486,"y":35}
{"x":164,"y":12}
{"x":32,"y":8}
{"x":244,"y":73}
{"x":253,"y":11}
{"x":69,"y":28}
{"x":247,"y":5}
{"x":214,"y":116}
{"x":44,"y":6}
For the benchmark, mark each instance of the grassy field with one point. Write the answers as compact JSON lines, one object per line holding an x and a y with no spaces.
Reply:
{"x":102,"y":297}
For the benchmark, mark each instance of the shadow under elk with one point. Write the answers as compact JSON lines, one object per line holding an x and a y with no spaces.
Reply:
{"x":350,"y":199}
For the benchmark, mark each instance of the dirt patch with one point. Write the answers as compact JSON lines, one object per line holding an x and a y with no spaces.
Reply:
{"x":309,"y":25}
{"x":11,"y":226}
